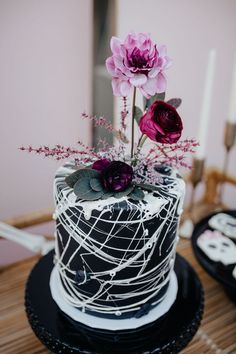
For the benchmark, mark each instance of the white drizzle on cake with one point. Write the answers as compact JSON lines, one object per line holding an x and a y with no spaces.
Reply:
{"x":147,"y":283}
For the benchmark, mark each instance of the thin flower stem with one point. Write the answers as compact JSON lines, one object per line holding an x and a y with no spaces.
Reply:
{"x":142,"y":140}
{"x":133,"y":113}
{"x":139,"y":140}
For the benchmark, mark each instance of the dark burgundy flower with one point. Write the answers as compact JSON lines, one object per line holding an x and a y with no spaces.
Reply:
{"x":161,"y":123}
{"x":117,"y":176}
{"x":99,"y":165}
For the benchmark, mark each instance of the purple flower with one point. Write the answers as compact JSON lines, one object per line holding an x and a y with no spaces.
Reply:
{"x":117,"y":176}
{"x":138,"y":62}
{"x":161,"y":123}
{"x":100,"y":165}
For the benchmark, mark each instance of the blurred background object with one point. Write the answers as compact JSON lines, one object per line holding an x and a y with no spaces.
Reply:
{"x":103,"y":30}
{"x":46,"y":82}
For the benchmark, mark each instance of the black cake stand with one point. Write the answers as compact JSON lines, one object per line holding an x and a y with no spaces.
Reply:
{"x":169,"y":334}
{"x":220,"y":272}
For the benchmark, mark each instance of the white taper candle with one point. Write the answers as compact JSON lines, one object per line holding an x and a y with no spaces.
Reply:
{"x":232,"y":103}
{"x":206,"y":105}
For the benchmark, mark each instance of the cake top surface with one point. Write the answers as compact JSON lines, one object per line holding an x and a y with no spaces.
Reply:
{"x":170,"y":185}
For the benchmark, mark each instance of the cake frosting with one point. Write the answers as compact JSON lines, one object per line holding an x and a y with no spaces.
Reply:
{"x":115,"y":257}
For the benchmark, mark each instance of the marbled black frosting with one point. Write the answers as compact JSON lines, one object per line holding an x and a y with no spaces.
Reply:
{"x":114,"y":257}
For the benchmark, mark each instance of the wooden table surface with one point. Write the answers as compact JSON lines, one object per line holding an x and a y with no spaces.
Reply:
{"x":217,"y":333}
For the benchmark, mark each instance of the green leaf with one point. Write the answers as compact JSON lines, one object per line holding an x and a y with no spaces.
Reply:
{"x":88,"y":172}
{"x":160,"y":96}
{"x":137,"y":114}
{"x":137,"y":194}
{"x":175,"y":102}
{"x":148,"y":187}
{"x":96,"y":184}
{"x":127,"y":191}
{"x":157,"y":96}
{"x":107,"y":195}
{"x":82,"y":186}
{"x":84,"y":191}
{"x":72,"y":179}
{"x":84,"y":172}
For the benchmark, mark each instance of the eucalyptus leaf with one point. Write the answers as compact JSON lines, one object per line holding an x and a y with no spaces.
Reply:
{"x":137,"y":194}
{"x":83,"y":190}
{"x":82,"y":185}
{"x":88,"y":172}
{"x":137,"y":114}
{"x":107,"y":195}
{"x":92,"y":196}
{"x":84,"y":172}
{"x":96,"y":184}
{"x":72,"y":179}
{"x":127,"y":191}
{"x":175,"y":102}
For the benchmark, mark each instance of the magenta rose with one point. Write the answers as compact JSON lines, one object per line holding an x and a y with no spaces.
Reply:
{"x":161,"y":123}
{"x":137,"y":62}
{"x":100,"y":165}
{"x":117,"y":176}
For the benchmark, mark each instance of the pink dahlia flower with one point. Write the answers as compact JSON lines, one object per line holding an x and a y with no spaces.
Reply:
{"x":138,"y":62}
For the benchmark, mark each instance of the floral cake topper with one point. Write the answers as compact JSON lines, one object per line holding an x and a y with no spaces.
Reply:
{"x":137,"y":62}
{"x":126,"y":168}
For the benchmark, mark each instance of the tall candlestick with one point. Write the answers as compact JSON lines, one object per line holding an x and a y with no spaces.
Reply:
{"x":206,"y":105}
{"x":232,"y":104}
{"x":229,"y":138}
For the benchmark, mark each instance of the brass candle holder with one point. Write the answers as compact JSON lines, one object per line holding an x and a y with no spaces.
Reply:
{"x":195,"y":178}
{"x":229,"y":140}
{"x":189,"y":216}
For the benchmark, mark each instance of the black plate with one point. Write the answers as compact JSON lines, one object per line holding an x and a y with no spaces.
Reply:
{"x":171,"y":333}
{"x":223,"y":274}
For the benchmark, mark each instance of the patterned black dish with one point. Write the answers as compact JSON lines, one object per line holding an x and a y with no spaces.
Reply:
{"x":171,"y":333}
{"x":223,"y":274}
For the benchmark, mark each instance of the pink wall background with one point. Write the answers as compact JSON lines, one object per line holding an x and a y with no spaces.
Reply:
{"x":190,"y":29}
{"x":45,"y":71}
{"x":46,"y":82}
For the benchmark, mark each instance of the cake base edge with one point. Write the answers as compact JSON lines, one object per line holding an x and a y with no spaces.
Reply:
{"x":113,"y":324}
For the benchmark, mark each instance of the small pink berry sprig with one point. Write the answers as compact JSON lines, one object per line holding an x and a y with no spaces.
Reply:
{"x":173,"y":155}
{"x":60,"y":152}
{"x":103,"y":122}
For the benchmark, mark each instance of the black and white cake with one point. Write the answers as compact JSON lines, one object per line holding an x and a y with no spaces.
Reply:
{"x":118,"y":205}
{"x":115,"y":257}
